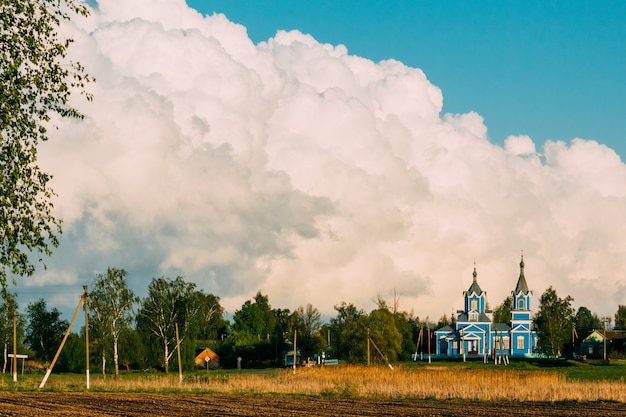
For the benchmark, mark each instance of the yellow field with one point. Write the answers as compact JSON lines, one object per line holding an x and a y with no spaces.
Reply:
{"x":357,"y":381}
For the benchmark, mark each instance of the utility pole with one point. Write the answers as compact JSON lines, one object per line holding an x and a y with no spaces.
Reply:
{"x":462,"y":345}
{"x":295,"y":350}
{"x":86,"y":300}
{"x":605,"y":320}
{"x":428,"y":343}
{"x":180,"y":363}
{"x":368,"y":346}
{"x":419,"y":338}
{"x":15,"y":346}
{"x":69,"y":329}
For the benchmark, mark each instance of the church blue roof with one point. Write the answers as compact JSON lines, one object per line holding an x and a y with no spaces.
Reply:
{"x":482,"y":317}
{"x":501,"y":327}
{"x":447,"y":329}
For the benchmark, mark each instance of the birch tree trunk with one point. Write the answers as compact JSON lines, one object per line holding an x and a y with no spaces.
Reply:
{"x":115,"y":356}
{"x":167,"y":356}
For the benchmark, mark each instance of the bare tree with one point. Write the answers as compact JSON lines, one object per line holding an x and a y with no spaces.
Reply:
{"x":308,"y":321}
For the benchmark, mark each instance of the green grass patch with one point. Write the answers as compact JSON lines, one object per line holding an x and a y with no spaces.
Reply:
{"x":596,"y":371}
{"x":573,"y":370}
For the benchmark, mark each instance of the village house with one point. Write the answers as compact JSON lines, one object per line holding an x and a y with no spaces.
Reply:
{"x":594,"y":346}
{"x":207,"y":359}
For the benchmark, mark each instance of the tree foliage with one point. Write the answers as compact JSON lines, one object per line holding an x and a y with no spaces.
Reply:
{"x":384,"y":333}
{"x":442,"y":322}
{"x":308,"y":323}
{"x":502,"y":313}
{"x":45,"y":330}
{"x":345,"y":336}
{"x":72,"y":357}
{"x":585,"y":322}
{"x":36,"y":81}
{"x":554,"y":322}
{"x":254,"y":321}
{"x":620,"y":318}
{"x":132,"y":350}
{"x":8,"y":307}
{"x":409,"y":328}
{"x":172,"y":303}
{"x":212,"y":324}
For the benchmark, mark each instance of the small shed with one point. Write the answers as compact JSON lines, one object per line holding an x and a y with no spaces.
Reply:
{"x":288,"y":361}
{"x":592,"y":346}
{"x":207,"y":359}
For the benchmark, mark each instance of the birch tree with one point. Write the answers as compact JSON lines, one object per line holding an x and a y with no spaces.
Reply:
{"x":169,"y":302}
{"x":111,"y":307}
{"x":36,"y":81}
{"x":8,"y":307}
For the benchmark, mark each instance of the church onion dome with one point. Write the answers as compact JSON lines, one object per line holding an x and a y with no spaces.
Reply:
{"x":475,"y":288}
{"x":521,"y":287}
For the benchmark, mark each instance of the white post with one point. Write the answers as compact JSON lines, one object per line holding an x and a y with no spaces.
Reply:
{"x":15,"y":346}
{"x":429,"y":344}
{"x":86,"y":303}
{"x":484,"y":347}
{"x":295,"y":350}
{"x":180,"y":364}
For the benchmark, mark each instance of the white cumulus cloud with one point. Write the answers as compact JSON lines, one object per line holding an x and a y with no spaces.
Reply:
{"x":315,"y":176}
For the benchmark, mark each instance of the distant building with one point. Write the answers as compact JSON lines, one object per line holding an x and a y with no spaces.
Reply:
{"x":207,"y":359}
{"x":593,"y":346}
{"x":473,"y":334}
{"x":288,"y":359}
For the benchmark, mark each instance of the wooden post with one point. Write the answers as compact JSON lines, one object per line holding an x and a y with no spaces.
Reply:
{"x":429,"y":343}
{"x":69,"y":329}
{"x":604,"y":320}
{"x":368,"y":346}
{"x":419,"y":338}
{"x":180,"y":364}
{"x":485,"y":347}
{"x":295,"y":350}
{"x":15,"y":346}
{"x":86,"y":300}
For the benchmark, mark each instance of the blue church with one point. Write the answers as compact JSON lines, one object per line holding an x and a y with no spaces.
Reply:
{"x":472,"y":332}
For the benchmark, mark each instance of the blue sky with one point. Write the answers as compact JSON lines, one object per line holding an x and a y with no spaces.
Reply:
{"x":547,"y":69}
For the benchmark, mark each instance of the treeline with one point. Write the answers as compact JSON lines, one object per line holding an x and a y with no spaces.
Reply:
{"x":132,"y":333}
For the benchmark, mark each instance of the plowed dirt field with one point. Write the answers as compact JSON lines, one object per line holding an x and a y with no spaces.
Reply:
{"x":95,"y":404}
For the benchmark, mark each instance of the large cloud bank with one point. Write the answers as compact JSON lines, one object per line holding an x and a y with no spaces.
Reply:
{"x":315,"y":176}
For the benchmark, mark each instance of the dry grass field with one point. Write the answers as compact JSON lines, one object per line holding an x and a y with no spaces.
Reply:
{"x":339,"y":390}
{"x":381,"y":382}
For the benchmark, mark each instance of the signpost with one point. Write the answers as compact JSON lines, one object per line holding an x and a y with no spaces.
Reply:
{"x":13,"y":357}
